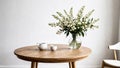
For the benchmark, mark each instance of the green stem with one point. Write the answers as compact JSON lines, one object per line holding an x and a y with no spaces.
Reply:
{"x":74,"y":37}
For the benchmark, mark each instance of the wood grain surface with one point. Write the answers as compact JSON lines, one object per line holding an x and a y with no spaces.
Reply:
{"x":62,"y":54}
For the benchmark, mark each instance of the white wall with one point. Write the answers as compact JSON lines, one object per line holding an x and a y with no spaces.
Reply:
{"x":25,"y":22}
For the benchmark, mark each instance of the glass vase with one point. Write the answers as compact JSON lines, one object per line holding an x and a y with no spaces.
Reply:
{"x":75,"y":43}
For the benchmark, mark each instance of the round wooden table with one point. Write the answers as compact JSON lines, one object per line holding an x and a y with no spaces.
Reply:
{"x":62,"y":54}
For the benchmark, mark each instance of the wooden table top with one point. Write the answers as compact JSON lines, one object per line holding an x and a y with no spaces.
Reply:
{"x":62,"y":54}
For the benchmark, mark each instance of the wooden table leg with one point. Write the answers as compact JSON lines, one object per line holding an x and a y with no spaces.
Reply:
{"x":73,"y":64}
{"x":70,"y":65}
{"x":34,"y":64}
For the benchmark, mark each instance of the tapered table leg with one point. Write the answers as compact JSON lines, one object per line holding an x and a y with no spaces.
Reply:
{"x":34,"y":64}
{"x":73,"y":64}
{"x":70,"y":65}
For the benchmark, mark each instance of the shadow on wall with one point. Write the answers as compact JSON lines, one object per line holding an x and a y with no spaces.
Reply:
{"x":112,"y":32}
{"x":115,"y":16}
{"x":112,"y":26}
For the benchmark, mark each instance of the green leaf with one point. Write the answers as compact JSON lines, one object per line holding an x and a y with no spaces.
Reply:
{"x":67,"y":34}
{"x":56,"y":17}
{"x":79,"y":34}
{"x":82,"y":34}
{"x":91,"y":19}
{"x":60,"y":14}
{"x":91,"y":26}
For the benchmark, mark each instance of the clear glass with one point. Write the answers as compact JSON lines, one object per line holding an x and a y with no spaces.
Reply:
{"x":75,"y":42}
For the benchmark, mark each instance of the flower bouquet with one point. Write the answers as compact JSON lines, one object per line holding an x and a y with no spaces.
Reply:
{"x":75,"y":25}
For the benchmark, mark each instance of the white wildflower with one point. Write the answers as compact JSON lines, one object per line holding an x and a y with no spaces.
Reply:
{"x":70,"y":24}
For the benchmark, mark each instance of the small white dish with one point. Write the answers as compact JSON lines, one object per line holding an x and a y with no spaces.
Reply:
{"x":53,"y":48}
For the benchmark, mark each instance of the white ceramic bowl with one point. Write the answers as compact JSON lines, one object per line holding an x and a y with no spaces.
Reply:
{"x":43,"y":46}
